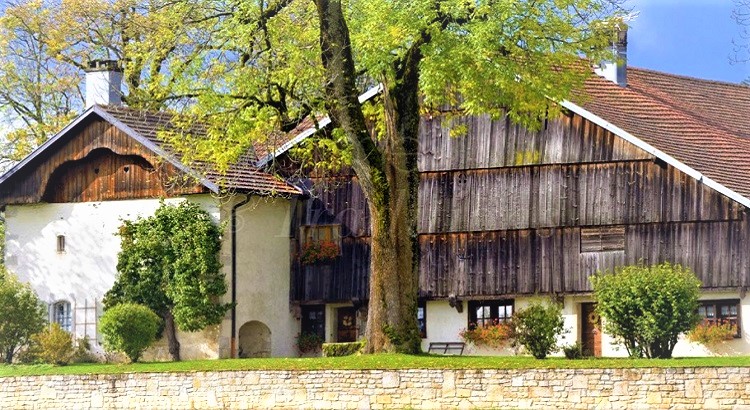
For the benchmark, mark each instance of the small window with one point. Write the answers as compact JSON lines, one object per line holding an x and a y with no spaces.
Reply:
{"x":310,"y":233}
{"x":489,"y":312}
{"x":422,"y":318}
{"x":62,"y":315}
{"x":720,"y":312}
{"x":60,"y":243}
{"x":314,"y":320}
{"x":602,"y":239}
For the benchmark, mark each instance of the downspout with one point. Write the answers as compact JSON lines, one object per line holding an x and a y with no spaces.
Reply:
{"x":233,"y":343}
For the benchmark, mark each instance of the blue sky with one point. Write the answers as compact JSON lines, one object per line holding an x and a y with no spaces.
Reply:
{"x":688,"y":37}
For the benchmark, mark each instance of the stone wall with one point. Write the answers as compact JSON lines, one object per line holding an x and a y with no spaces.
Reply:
{"x":383,"y":389}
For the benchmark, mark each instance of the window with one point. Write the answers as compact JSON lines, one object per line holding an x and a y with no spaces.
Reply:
{"x":314,"y":320}
{"x":489,"y":312}
{"x":310,"y":233}
{"x":62,"y":315}
{"x":602,"y":239}
{"x":60,"y":243}
{"x":721,"y":311}
{"x":422,"y":318}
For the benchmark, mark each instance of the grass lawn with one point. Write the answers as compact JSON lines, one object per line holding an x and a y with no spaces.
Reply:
{"x":385,"y":361}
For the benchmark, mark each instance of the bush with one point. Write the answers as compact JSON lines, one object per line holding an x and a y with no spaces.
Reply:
{"x":343,"y":349}
{"x":496,"y":335}
{"x":83,"y":353}
{"x":574,"y":351}
{"x":129,"y":328}
{"x":21,"y":315}
{"x":536,"y":328}
{"x":710,"y":334}
{"x":309,"y":342}
{"x":648,"y":307}
{"x":55,"y":345}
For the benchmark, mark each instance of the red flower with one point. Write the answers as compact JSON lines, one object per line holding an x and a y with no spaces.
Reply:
{"x":319,"y":251}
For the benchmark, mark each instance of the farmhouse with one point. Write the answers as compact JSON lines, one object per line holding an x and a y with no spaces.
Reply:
{"x":646,"y":166}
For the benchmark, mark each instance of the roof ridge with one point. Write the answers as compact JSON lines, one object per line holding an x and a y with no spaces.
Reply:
{"x":688,"y":77}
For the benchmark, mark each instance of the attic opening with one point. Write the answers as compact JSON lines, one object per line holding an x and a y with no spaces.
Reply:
{"x":101,"y":174}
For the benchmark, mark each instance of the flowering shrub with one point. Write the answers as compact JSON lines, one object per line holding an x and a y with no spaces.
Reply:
{"x":496,"y":335}
{"x":319,"y":251}
{"x":710,"y":333}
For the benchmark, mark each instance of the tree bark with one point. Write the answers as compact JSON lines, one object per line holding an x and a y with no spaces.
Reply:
{"x":170,"y":331}
{"x":388,"y":177}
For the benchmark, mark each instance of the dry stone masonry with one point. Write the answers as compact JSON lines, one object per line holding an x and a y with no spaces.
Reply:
{"x":726,"y":387}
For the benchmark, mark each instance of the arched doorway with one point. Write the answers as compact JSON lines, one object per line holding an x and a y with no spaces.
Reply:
{"x":255,"y":340}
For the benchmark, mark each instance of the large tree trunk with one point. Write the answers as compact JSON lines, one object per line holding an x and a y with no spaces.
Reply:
{"x":170,"y":331}
{"x":388,"y":178}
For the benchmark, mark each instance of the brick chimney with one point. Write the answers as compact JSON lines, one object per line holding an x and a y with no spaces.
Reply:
{"x":103,"y":83}
{"x":616,"y":69}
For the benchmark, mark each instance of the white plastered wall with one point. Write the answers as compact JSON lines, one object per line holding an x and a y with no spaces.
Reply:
{"x":263,"y":267}
{"x":86,"y":271}
{"x":444,"y":324}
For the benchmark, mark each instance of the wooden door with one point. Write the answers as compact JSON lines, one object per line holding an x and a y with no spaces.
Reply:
{"x":591,"y":334}
{"x":346,"y":324}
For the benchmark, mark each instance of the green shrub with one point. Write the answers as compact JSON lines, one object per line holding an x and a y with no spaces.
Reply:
{"x":343,"y":349}
{"x":129,"y":328}
{"x":309,"y":342}
{"x":55,"y":345}
{"x":574,"y":351}
{"x":536,"y":328}
{"x":83,"y":353}
{"x":21,"y":315}
{"x":647,"y":307}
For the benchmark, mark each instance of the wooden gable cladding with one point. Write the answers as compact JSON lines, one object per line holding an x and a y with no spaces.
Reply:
{"x":96,"y":162}
{"x":499,"y":143}
{"x":565,"y":195}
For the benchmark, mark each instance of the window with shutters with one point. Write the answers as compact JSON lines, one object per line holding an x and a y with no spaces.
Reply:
{"x":603,"y":239}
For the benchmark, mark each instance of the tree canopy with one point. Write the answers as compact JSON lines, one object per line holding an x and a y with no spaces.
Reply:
{"x":250,"y":68}
{"x":169,"y":262}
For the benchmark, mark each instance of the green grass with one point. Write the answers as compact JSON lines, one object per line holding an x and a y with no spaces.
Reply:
{"x":385,"y":361}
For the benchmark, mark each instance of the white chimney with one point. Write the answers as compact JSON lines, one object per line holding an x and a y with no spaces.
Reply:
{"x":616,"y":70}
{"x":103,"y":83}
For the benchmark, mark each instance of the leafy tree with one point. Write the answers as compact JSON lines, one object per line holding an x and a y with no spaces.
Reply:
{"x":286,"y":58}
{"x":45,"y":46}
{"x":129,"y":328}
{"x":647,"y":307}
{"x":21,"y":315}
{"x":537,"y":327}
{"x":170,"y":263}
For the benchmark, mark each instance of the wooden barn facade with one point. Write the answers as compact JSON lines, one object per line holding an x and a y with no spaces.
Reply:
{"x":506,"y":214}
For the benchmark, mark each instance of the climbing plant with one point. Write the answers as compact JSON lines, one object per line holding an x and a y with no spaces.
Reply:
{"x":170,"y":263}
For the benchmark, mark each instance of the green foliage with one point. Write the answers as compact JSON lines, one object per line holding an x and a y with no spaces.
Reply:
{"x":647,"y":307}
{"x":574,"y":351}
{"x":343,"y":349}
{"x":83,"y":353}
{"x":170,"y":262}
{"x":537,"y":328}
{"x":21,"y":315}
{"x":309,"y":342}
{"x":129,"y":328}
{"x":496,"y":335}
{"x":55,"y":345}
{"x":712,"y":333}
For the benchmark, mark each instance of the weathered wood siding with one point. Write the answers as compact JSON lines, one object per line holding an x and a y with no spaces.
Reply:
{"x":95,"y":162}
{"x":505,"y":211}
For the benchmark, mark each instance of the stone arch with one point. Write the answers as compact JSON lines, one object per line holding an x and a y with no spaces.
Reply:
{"x":255,"y":340}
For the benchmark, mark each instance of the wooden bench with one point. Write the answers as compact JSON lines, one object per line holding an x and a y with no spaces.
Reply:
{"x":455,"y":348}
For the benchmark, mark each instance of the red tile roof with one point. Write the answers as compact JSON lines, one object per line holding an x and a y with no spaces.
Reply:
{"x":703,"y":124}
{"x":243,"y":175}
